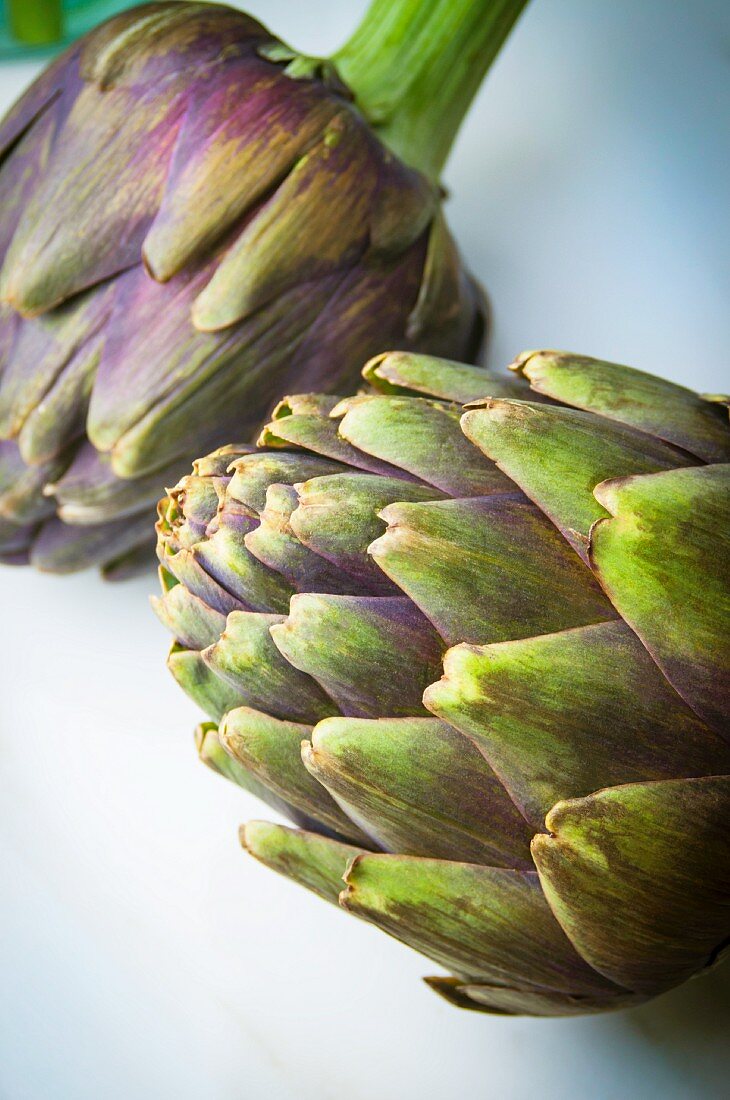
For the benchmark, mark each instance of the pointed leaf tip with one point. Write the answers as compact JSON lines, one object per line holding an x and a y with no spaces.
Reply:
{"x":313,"y":861}
{"x":639,"y":877}
{"x":661,"y":555}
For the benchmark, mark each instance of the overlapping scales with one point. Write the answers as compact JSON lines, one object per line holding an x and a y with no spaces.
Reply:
{"x":500,"y":638}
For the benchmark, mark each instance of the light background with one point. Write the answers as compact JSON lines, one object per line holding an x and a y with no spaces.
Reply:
{"x":142,"y":955}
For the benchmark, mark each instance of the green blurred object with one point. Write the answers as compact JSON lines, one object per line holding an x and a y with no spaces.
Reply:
{"x":37,"y":27}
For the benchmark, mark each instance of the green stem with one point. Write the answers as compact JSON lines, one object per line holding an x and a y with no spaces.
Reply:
{"x":35,"y":22}
{"x":414,"y":67}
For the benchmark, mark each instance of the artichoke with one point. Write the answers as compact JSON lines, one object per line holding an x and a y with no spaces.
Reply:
{"x":194,"y":219}
{"x":481,"y":661}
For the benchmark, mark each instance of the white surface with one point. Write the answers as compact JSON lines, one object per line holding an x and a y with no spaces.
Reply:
{"x":142,"y":955}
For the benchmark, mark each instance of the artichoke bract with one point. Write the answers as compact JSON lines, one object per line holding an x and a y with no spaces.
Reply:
{"x":480,"y":658}
{"x":194,"y":220}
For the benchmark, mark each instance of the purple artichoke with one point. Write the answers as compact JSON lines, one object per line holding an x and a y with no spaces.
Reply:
{"x":195,"y":219}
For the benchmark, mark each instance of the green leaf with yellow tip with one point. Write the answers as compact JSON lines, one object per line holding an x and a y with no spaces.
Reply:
{"x":191,"y":622}
{"x":487,"y":569}
{"x":274,"y":543}
{"x":419,"y":787}
{"x":304,"y":421}
{"x":558,"y":455}
{"x":483,"y":923}
{"x":663,"y":409}
{"x":663,"y":559}
{"x":227,"y":560}
{"x":559,"y":715}
{"x":215,"y":757}
{"x":244,"y":656}
{"x":199,"y":504}
{"x":219,"y":759}
{"x":402,"y":372}
{"x":253,"y":474}
{"x":166,"y":579}
{"x":208,"y":691}
{"x":373,"y":655}
{"x":270,"y":749}
{"x":313,"y":861}
{"x":639,"y":877}
{"x":337,"y":517}
{"x":184,"y":566}
{"x":220,"y":461}
{"x":422,"y":437}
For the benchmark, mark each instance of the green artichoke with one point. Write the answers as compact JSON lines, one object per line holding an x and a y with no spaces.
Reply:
{"x":195,"y":218}
{"x":482,"y":662}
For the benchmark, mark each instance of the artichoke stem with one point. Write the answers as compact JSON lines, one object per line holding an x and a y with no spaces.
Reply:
{"x":414,"y":67}
{"x":36,"y":23}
